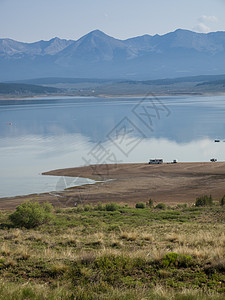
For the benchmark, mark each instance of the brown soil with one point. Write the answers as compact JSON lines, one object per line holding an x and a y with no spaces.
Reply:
{"x":132,"y":183}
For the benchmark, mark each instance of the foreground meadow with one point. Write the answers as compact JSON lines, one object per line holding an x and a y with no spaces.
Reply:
{"x":116,"y":252}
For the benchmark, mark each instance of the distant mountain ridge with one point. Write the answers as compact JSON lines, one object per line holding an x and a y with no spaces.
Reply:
{"x":10,"y":47}
{"x":97,"y":55}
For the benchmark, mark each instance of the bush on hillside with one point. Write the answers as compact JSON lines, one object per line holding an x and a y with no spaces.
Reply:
{"x":204,"y":201}
{"x":140,"y":205}
{"x":160,"y":206}
{"x":111,"y":207}
{"x":176,"y":260}
{"x":150,"y":203}
{"x":31,"y":214}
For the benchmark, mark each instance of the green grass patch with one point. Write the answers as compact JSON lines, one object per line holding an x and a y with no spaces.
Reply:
{"x":115,"y":252}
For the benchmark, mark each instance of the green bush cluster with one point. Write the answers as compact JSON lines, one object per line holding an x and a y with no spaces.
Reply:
{"x":140,"y":205}
{"x":108,"y":269}
{"x":150,"y":205}
{"x":87,"y":208}
{"x":173,"y":259}
{"x":160,"y":206}
{"x":204,"y":201}
{"x":99,"y":207}
{"x":111,"y":207}
{"x":31,"y":214}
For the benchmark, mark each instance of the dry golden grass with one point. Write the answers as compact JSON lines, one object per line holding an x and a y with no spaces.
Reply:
{"x":56,"y":247}
{"x":129,"y":236}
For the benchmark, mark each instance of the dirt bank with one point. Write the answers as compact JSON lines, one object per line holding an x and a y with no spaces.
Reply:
{"x":132,"y":183}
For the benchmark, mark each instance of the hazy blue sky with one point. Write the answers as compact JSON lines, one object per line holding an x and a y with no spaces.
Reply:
{"x":32,"y":20}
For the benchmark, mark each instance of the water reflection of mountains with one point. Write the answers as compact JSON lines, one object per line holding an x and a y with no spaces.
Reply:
{"x":191,"y":118}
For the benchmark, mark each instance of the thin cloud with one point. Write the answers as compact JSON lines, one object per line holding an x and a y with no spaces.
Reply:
{"x":204,"y":23}
{"x":205,"y":19}
{"x":201,"y":27}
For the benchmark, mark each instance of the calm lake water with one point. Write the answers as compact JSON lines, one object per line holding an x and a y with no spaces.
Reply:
{"x":38,"y":135}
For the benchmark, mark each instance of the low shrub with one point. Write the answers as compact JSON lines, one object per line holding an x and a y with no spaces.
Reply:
{"x":31,"y":214}
{"x":181,"y":206}
{"x":111,"y":207}
{"x":204,"y":201}
{"x":216,"y":266}
{"x":99,"y":207}
{"x":176,"y":260}
{"x":222,"y":201}
{"x":140,"y":205}
{"x":87,"y":208}
{"x":150,"y":203}
{"x":79,"y":209}
{"x":160,"y":206}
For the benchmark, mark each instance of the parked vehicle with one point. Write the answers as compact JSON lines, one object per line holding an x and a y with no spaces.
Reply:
{"x":213,"y":159}
{"x":156,"y":161}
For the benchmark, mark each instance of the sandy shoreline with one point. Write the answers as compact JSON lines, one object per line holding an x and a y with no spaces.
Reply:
{"x":200,"y":94}
{"x":137,"y":182}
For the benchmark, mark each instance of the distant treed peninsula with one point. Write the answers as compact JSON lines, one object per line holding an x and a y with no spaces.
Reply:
{"x":195,"y":85}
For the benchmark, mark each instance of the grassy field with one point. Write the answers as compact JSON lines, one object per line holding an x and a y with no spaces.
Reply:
{"x":116,"y":252}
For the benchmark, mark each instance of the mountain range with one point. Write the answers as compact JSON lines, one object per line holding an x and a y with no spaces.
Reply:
{"x":97,"y":55}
